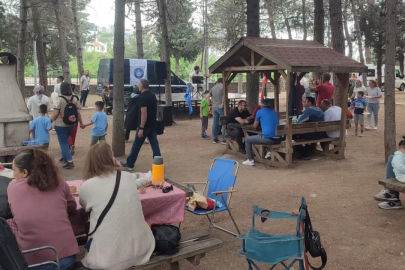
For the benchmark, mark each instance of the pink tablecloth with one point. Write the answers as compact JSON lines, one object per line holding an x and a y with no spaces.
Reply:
{"x":158,"y":208}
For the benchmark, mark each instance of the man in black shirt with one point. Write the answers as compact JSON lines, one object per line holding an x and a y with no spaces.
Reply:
{"x":147,"y":125}
{"x":236,"y":118}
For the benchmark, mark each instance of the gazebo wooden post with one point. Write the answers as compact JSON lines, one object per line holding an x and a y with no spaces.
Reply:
{"x":276,"y":91}
{"x":288,"y":124}
{"x":344,"y":80}
{"x":225,"y":98}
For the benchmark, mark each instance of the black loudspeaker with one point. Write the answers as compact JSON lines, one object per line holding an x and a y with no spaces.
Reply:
{"x":160,"y":70}
{"x":166,"y":113}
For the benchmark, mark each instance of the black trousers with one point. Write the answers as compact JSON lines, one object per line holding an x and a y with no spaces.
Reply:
{"x":307,"y":150}
{"x":83,"y":97}
{"x":127,"y":132}
{"x":237,"y":133}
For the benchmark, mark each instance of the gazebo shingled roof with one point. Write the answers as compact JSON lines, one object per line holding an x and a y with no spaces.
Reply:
{"x":280,"y":57}
{"x":291,"y":55}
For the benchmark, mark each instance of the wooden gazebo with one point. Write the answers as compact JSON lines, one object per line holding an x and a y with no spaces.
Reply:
{"x":280,"y":57}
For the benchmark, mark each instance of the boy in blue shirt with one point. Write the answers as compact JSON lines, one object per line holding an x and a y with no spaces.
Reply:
{"x":359,"y":104}
{"x":100,"y":122}
{"x":41,"y":125}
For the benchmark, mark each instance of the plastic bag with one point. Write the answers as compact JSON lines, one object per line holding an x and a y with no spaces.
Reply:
{"x":143,"y":179}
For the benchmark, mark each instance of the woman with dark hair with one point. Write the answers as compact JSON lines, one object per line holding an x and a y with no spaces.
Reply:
{"x":62,"y":129}
{"x":124,"y":229}
{"x":40,"y":202}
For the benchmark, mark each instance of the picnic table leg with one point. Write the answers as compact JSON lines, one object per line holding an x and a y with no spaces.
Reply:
{"x":175,"y":266}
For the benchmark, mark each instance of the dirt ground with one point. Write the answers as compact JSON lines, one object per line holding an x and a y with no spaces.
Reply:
{"x":355,"y":232}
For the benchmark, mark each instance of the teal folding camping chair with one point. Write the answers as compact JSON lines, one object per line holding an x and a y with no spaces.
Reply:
{"x":275,"y":249}
{"x":220,"y":181}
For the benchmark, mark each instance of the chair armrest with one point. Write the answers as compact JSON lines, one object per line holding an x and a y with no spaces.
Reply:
{"x":201,"y":183}
{"x":221,"y":192}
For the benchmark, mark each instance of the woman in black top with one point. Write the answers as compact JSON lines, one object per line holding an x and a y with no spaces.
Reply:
{"x":131,"y":119}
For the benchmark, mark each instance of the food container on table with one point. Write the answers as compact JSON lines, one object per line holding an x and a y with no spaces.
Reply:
{"x":158,"y":171}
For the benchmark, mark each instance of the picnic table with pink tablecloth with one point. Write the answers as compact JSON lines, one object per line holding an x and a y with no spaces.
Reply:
{"x":158,"y":208}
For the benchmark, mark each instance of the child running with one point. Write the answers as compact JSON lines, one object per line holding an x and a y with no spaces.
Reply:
{"x":100,"y":122}
{"x":40,"y":126}
{"x":359,"y":104}
{"x":204,"y":113}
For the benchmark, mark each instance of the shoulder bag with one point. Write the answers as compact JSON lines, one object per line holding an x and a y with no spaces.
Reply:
{"x":105,"y":211}
{"x":313,"y":242}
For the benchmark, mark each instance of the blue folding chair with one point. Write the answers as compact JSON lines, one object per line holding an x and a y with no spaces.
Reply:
{"x":220,"y":181}
{"x":275,"y":249}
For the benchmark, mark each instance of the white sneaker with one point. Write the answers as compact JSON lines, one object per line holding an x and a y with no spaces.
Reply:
{"x":375,"y":128}
{"x":268,"y":154}
{"x":361,"y":135}
{"x":147,"y":140}
{"x":368,"y":128}
{"x":249,"y":162}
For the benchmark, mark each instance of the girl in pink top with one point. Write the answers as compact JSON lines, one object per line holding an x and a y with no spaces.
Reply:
{"x":40,"y":202}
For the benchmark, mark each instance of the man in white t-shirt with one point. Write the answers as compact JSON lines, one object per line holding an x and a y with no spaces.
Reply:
{"x":332,"y":113}
{"x":198,"y":73}
{"x":59,"y":80}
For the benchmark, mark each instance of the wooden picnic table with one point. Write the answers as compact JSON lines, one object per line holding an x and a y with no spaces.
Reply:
{"x":281,"y":154}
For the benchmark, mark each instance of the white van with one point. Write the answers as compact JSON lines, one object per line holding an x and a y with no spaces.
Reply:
{"x":399,"y":78}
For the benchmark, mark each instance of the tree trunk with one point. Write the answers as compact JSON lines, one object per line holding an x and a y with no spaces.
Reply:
{"x":22,"y":43}
{"x":358,"y":35}
{"x":338,"y":44}
{"x":166,"y":50}
{"x":367,"y":52}
{"x":379,"y":52}
{"x":319,"y":25}
{"x":79,"y":47}
{"x":240,"y":83}
{"x":177,"y":58}
{"x":304,"y":20}
{"x":346,"y":28}
{"x":287,"y":25}
{"x":42,"y":69}
{"x":401,"y":62}
{"x":138,"y":26}
{"x":319,"y":22}
{"x":389,"y":94}
{"x":64,"y":57}
{"x":253,"y":30}
{"x":270,"y":12}
{"x":118,"y":142}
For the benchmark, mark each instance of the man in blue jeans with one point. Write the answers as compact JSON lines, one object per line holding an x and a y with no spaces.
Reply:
{"x":147,"y":127}
{"x":217,"y":94}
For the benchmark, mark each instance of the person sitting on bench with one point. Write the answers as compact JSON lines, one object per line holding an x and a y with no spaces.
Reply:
{"x":268,"y":119}
{"x":310,"y":114}
{"x":331,"y":113}
{"x":395,"y":169}
{"x":237,"y":117}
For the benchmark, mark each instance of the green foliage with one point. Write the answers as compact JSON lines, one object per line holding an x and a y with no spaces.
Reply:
{"x":184,"y":39}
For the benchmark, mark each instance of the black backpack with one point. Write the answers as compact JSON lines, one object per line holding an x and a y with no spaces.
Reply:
{"x":167,"y":239}
{"x":70,"y":114}
{"x":313,"y":242}
{"x":11,"y":257}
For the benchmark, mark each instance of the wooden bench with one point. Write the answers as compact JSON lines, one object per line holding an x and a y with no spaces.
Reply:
{"x":281,"y":154}
{"x":393,"y":184}
{"x":193,"y":247}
